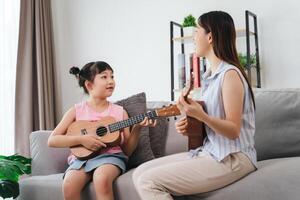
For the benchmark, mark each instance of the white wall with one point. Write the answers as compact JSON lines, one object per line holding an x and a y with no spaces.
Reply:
{"x":133,"y":36}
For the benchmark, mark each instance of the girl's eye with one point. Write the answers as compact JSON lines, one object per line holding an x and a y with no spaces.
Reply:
{"x":104,"y":77}
{"x":112,"y":77}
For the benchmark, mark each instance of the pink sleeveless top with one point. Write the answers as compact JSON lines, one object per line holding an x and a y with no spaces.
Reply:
{"x":85,"y":112}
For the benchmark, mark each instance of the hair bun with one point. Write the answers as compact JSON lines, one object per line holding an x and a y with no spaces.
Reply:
{"x":74,"y":70}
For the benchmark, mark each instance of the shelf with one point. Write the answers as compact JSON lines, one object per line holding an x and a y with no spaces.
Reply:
{"x":242,"y":33}
{"x":185,"y":40}
{"x":189,"y":39}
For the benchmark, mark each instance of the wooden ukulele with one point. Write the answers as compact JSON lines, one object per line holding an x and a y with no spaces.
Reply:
{"x":108,"y":129}
{"x":195,"y":130}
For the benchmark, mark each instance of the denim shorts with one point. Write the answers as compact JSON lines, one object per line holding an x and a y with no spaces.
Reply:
{"x":117,"y":159}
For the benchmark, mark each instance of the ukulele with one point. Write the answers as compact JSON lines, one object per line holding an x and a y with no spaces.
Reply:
{"x":195,"y":128}
{"x":108,"y":129}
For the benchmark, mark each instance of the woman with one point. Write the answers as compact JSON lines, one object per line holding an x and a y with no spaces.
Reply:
{"x":228,"y":152}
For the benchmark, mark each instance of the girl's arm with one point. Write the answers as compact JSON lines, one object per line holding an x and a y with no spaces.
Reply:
{"x":59,"y":139}
{"x":131,"y":138}
{"x":233,"y":96}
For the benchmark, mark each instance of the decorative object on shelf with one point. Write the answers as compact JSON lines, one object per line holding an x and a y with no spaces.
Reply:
{"x":181,"y":71}
{"x":189,"y":24}
{"x":243,"y":60}
{"x":11,"y":167}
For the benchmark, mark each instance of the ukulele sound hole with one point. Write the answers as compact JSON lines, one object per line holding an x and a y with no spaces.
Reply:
{"x":101,"y":131}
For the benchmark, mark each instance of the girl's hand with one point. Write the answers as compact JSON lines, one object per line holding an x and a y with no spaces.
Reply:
{"x":181,"y":126}
{"x":192,"y":109}
{"x":147,"y":122}
{"x":92,"y":142}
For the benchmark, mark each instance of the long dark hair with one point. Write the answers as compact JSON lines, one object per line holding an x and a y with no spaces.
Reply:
{"x":221,"y":26}
{"x":88,"y":72}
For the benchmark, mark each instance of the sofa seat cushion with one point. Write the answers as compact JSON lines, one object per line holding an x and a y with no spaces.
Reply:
{"x":47,"y":187}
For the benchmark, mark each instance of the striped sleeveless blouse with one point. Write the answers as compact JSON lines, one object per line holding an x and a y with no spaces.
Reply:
{"x":216,"y":144}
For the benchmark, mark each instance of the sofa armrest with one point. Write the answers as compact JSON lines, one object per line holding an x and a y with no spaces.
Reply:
{"x":46,"y":160}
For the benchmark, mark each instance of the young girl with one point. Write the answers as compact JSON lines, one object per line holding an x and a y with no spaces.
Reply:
{"x":228,"y":153}
{"x":97,"y":80}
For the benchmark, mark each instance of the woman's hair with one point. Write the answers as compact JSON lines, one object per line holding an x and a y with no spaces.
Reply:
{"x":89,"y":71}
{"x":221,"y":26}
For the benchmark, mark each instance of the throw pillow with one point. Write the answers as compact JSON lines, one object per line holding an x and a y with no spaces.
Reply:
{"x":158,"y":136}
{"x":135,"y":105}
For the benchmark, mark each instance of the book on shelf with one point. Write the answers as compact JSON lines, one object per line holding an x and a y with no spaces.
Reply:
{"x":181,"y":71}
{"x":187,"y":64}
{"x":188,"y":67}
{"x":196,"y":71}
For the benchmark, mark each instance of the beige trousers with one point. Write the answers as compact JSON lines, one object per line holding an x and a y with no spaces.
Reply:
{"x":179,"y":174}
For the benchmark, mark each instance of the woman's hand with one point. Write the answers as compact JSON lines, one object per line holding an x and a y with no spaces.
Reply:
{"x":181,"y":126}
{"x":192,"y":109}
{"x":92,"y":142}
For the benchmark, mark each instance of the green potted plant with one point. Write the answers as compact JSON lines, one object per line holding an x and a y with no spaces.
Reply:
{"x":189,"y":24}
{"x":11,"y":167}
{"x":243,"y":60}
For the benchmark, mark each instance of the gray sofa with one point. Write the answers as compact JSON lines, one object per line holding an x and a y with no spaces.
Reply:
{"x":277,"y":143}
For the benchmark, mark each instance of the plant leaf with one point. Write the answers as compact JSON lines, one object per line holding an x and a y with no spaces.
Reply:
{"x":9,"y":189}
{"x":11,"y":167}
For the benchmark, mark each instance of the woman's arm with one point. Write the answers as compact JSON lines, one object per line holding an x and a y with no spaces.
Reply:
{"x":233,"y":96}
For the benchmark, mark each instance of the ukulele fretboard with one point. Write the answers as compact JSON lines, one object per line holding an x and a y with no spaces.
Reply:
{"x":131,"y":121}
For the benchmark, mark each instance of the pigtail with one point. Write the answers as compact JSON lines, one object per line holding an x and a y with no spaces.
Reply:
{"x":75,"y":71}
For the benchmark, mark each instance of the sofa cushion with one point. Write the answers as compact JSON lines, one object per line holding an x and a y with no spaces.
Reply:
{"x":46,"y":160}
{"x":277,"y":123}
{"x":158,"y":137}
{"x":41,"y":187}
{"x":135,"y":105}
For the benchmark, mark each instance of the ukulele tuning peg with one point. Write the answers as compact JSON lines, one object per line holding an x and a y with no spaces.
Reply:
{"x":168,"y":119}
{"x":175,"y":118}
{"x":164,"y":106}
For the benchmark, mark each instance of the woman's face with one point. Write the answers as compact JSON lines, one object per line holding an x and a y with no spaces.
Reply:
{"x":202,"y":41}
{"x":103,"y":85}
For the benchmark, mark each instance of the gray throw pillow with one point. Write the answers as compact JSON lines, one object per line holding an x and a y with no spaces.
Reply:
{"x":158,"y":136}
{"x":135,"y":105}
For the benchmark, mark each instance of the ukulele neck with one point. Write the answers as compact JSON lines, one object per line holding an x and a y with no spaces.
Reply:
{"x":131,"y":121}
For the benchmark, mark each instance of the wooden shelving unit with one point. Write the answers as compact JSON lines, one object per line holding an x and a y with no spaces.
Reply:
{"x":188,"y":39}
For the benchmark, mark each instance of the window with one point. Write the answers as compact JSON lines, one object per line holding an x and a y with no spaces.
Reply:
{"x":9,"y":26}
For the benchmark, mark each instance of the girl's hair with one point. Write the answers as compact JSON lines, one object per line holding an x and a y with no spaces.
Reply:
{"x":89,"y":71}
{"x":221,"y":26}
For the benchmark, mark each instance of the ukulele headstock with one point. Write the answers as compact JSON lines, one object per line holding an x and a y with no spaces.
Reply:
{"x":168,"y":111}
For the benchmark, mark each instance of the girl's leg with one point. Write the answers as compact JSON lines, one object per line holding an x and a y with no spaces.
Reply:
{"x":191,"y":176}
{"x":74,"y":182}
{"x":103,"y":181}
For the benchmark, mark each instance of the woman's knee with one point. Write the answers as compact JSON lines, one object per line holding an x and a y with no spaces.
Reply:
{"x":139,"y":171}
{"x":146,"y":180}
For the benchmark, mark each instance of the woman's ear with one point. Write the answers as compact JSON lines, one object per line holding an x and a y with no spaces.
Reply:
{"x":209,"y":38}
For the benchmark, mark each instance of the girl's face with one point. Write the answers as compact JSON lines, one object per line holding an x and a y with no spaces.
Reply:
{"x":103,"y":85}
{"x":202,"y":40}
